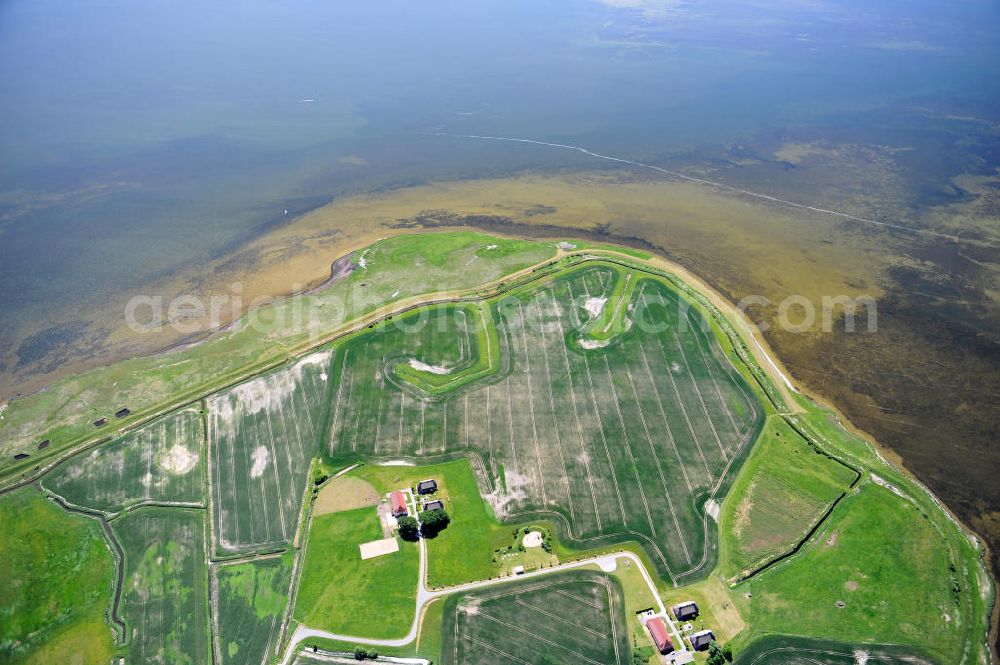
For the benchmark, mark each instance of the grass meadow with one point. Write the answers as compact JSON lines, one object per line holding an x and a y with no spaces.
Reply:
{"x":341,"y":593}
{"x":784,"y":489}
{"x":56,"y":585}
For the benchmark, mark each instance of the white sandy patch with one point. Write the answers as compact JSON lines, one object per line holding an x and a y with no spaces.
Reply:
{"x":433,"y":369}
{"x":566,"y":246}
{"x":259,"y":459}
{"x":492,"y":246}
{"x":608,"y":564}
{"x":378,"y":548}
{"x":397,"y":462}
{"x":712,"y":508}
{"x":593,"y":344}
{"x":532,"y":539}
{"x":472,"y":609}
{"x":861,"y":657}
{"x":675,"y":368}
{"x":178,"y":460}
{"x":595,"y":305}
{"x":881,"y":482}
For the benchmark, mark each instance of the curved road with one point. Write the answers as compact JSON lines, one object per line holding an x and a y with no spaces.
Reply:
{"x":608,"y":563}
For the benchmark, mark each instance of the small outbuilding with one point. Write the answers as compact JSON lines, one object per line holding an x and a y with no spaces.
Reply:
{"x":398,"y":503}
{"x":121,"y":413}
{"x":434,"y":505}
{"x":686,"y":611}
{"x":427,"y":487}
{"x":657,"y":628}
{"x":700,"y":640}
{"x":100,"y":422}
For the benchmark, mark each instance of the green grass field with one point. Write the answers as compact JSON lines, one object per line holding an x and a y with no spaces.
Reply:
{"x":872,"y":556}
{"x":166,"y":585}
{"x":56,"y":584}
{"x":572,"y":618}
{"x":160,"y":462}
{"x":785,"y":488}
{"x":341,"y":593}
{"x":252,"y":598}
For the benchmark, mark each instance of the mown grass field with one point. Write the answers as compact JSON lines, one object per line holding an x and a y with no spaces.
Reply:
{"x":341,"y":593}
{"x":166,"y":585}
{"x":873,"y":556}
{"x":784,"y":489}
{"x":251,"y":600}
{"x":572,"y":618}
{"x":55,"y":586}
{"x":263,"y":434}
{"x":624,"y":443}
{"x":161,"y":462}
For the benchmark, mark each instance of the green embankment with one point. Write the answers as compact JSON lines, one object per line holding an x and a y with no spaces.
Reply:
{"x":341,"y":593}
{"x":478,"y":353}
{"x":613,"y":319}
{"x":56,"y":584}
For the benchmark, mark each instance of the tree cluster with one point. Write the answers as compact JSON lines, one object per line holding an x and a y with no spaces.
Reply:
{"x":719,"y":655}
{"x":433,"y":522}
{"x":409,"y":528}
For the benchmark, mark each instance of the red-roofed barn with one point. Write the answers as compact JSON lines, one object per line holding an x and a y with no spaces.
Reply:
{"x":398,"y":502}
{"x":658,"y":631}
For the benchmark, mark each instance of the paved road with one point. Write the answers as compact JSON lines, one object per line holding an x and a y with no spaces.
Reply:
{"x":607,"y":563}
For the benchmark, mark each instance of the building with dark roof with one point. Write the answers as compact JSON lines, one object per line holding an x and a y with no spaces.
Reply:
{"x":686,"y":611}
{"x":398,"y":503}
{"x":434,"y":505}
{"x":658,"y":631}
{"x":700,"y":640}
{"x":427,"y":487}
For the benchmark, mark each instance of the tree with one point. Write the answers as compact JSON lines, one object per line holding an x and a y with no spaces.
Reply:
{"x":409,"y":528}
{"x":432,"y":522}
{"x":719,"y":655}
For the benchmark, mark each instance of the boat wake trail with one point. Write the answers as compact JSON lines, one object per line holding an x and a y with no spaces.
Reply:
{"x":722,"y":186}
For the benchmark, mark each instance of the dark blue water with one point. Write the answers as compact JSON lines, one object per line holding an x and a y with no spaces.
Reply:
{"x":141,"y":138}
